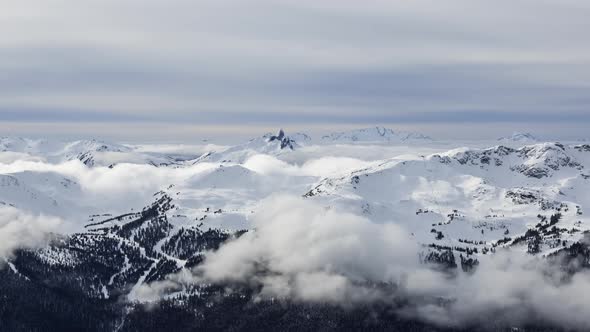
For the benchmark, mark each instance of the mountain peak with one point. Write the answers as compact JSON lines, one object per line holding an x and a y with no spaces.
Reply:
{"x":285,"y":141}
{"x":279,"y":136}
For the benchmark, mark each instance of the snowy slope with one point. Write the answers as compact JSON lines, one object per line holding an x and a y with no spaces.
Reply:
{"x":14,"y":191}
{"x":480,"y":197}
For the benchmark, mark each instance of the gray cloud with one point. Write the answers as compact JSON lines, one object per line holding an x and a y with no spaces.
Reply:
{"x":295,"y":62}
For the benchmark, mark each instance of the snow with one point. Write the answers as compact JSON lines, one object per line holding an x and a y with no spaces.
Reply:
{"x":473,"y":194}
{"x":15,"y":271}
{"x":520,"y":137}
{"x":96,"y":153}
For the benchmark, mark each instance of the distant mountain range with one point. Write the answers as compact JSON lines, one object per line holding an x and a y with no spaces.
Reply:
{"x":520,"y":138}
{"x":374,"y":134}
{"x":100,"y":153}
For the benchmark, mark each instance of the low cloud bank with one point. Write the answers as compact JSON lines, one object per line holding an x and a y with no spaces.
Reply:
{"x":304,"y":251}
{"x":320,"y":167}
{"x":96,"y":189}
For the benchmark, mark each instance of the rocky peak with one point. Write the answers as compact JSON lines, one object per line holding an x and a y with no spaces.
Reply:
{"x":537,"y":160}
{"x":284,"y":140}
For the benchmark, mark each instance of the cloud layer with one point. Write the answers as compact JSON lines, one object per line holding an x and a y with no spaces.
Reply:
{"x":293,"y":63}
{"x":304,"y":251}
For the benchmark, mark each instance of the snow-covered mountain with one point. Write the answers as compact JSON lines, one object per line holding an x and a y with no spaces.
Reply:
{"x":374,"y":134}
{"x":270,"y":144}
{"x":482,"y":197}
{"x":100,"y":153}
{"x":27,"y":145}
{"x":476,"y":181}
{"x":134,"y":225}
{"x":90,"y":152}
{"x":520,"y":138}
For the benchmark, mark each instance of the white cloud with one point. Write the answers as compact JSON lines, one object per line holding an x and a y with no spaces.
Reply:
{"x":124,"y":178}
{"x":303,"y":251}
{"x":19,"y":229}
{"x":8,"y":157}
{"x":509,"y":287}
{"x":320,"y":167}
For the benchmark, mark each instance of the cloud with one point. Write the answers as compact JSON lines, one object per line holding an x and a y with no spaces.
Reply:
{"x":292,"y":62}
{"x":304,"y":251}
{"x":91,"y":189}
{"x":307,"y":252}
{"x":509,"y":288}
{"x":320,"y":167}
{"x":19,"y":229}
{"x":7,"y":157}
{"x":122,"y":179}
{"x":294,"y":236}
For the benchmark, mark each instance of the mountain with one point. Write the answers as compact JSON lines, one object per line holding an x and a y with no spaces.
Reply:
{"x":374,"y":134}
{"x":27,"y":145}
{"x":459,"y":206}
{"x":99,"y":153}
{"x":93,"y":280}
{"x":90,"y":152}
{"x":15,"y":192}
{"x":271,"y":144}
{"x":302,"y":139}
{"x":520,"y":138}
{"x":537,"y":161}
{"x":475,"y":200}
{"x":16,"y":144}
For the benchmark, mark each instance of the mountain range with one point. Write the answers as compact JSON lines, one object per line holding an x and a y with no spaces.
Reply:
{"x":135,"y":218}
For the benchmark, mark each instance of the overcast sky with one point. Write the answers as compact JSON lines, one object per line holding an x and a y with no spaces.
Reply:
{"x":188,"y":69}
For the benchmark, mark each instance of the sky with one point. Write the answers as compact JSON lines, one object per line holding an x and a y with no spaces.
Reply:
{"x":181,"y":70}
